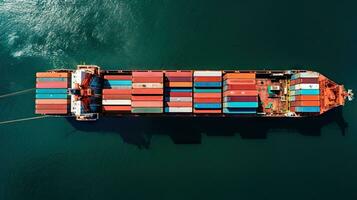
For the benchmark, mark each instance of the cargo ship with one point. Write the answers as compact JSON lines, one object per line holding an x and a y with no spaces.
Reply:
{"x":88,"y":93}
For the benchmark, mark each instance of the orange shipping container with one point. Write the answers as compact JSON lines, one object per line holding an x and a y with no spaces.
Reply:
{"x":148,"y":74}
{"x":179,"y":104}
{"x":146,"y":104}
{"x":62,"y":84}
{"x":240,"y":93}
{"x":239,"y":75}
{"x":178,"y":84}
{"x":147,"y":79}
{"x":117,"y":77}
{"x":208,"y":79}
{"x":208,"y":100}
{"x":52,"y":75}
{"x":207,"y":95}
{"x":307,"y":98}
{"x":116,"y":91}
{"x":241,"y":81}
{"x":53,"y":101}
{"x":147,"y":91}
{"x":206,"y":111}
{"x":178,"y":74}
{"x":147,"y":98}
{"x":117,"y":96}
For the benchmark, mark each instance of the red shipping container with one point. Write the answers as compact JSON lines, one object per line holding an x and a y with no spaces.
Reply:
{"x":179,"y":94}
{"x":147,"y":79}
{"x":148,"y":74}
{"x":207,"y":95}
{"x":206,"y":111}
{"x":146,"y":104}
{"x":117,"y":108}
{"x":53,"y":112}
{"x":146,"y":98}
{"x":208,"y":79}
{"x":243,"y":99}
{"x":241,"y":87}
{"x":241,"y":81}
{"x":178,"y":74}
{"x":240,"y":93}
{"x":53,"y":101}
{"x":307,"y":98}
{"x":147,"y":91}
{"x":117,"y":77}
{"x":179,"y":104}
{"x":179,"y":79}
{"x":62,"y":84}
{"x":116,"y":91}
{"x":117,"y":96}
{"x":208,"y":100}
{"x":308,"y":80}
{"x":51,"y":107}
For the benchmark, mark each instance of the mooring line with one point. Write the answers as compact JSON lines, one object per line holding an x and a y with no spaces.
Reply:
{"x":16,"y":93}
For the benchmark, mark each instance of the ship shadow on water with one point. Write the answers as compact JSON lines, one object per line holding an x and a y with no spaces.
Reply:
{"x":186,"y":130}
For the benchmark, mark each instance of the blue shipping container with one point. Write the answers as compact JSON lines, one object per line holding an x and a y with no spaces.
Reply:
{"x":307,"y":92}
{"x":117,"y":82}
{"x":207,"y":90}
{"x":240,"y":104}
{"x":208,"y":84}
{"x":239,"y":111}
{"x":51,"y":91}
{"x":51,"y":96}
{"x":307,"y":109}
{"x":208,"y":105}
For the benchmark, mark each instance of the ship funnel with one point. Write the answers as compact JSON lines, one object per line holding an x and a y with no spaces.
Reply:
{"x":350,"y":95}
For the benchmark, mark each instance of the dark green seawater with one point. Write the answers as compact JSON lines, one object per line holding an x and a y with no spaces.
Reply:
{"x":58,"y":159}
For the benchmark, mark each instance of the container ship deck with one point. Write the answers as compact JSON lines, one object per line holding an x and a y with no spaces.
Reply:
{"x":88,"y":92}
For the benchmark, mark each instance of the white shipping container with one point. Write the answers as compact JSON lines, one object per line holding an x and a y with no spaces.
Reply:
{"x":307,"y":86}
{"x":147,"y":85}
{"x":116,"y":102}
{"x":207,"y":73}
{"x":308,"y":74}
{"x":179,"y":109}
{"x":180,"y":99}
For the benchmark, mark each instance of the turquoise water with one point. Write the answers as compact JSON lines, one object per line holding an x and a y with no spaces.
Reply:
{"x":139,"y":158}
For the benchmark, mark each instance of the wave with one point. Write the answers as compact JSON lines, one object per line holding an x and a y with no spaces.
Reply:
{"x":67,"y":29}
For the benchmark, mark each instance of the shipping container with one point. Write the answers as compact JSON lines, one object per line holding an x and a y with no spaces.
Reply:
{"x":178,"y":84}
{"x":307,"y":92}
{"x":178,"y":104}
{"x":116,"y":91}
{"x":208,"y":100}
{"x":147,"y":104}
{"x":147,"y":85}
{"x":147,"y":79}
{"x":240,"y":104}
{"x":200,"y":90}
{"x":52,"y":91}
{"x":147,"y":98}
{"x":52,"y":101}
{"x":52,"y":106}
{"x":52,"y":75}
{"x":240,"y":93}
{"x":52,"y":112}
{"x":305,"y":103}
{"x":62,"y":84}
{"x":147,"y":110}
{"x":179,"y":79}
{"x":310,"y":109}
{"x":207,"y":111}
{"x":147,"y":91}
{"x":240,"y":87}
{"x":51,"y":79}
{"x":118,"y":77}
{"x":239,"y":81}
{"x":241,"y":99}
{"x":307,"y":98}
{"x":116,"y":102}
{"x":178,"y":94}
{"x":116,"y":96}
{"x":208,"y":79}
{"x":178,"y":99}
{"x":117,"y":108}
{"x":51,"y":96}
{"x":207,"y":105}
{"x":178,"y":109}
{"x":147,"y":74}
{"x":239,"y":110}
{"x":239,"y":76}
{"x":178,"y":73}
{"x":207,"y":95}
{"x":207,"y":73}
{"x":208,"y":84}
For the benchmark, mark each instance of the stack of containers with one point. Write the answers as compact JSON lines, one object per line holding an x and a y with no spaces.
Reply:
{"x":240,"y":93}
{"x":51,"y":93}
{"x":117,"y":93}
{"x":147,"y":92}
{"x":305,"y":92}
{"x":178,"y":91}
{"x":207,"y":91}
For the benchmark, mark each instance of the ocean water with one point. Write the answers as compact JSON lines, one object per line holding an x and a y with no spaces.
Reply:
{"x":56,"y":158}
